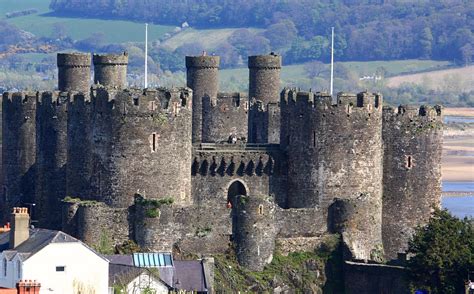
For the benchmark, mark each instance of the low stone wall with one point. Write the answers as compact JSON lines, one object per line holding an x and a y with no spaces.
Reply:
{"x":364,"y":278}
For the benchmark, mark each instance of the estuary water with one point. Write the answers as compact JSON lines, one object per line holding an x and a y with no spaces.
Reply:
{"x":458,"y":119}
{"x":460,"y":206}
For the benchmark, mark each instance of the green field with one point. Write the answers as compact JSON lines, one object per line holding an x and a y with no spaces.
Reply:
{"x":41,"y":24}
{"x":295,"y":75}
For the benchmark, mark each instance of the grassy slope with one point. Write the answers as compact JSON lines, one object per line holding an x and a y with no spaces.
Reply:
{"x":209,"y":38}
{"x":40,"y":24}
{"x":461,"y":77}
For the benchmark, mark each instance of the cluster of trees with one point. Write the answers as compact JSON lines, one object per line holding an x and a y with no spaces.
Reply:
{"x":442,"y":254}
{"x":299,"y":29}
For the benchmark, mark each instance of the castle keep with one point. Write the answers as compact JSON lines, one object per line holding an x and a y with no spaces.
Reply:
{"x":196,"y":170}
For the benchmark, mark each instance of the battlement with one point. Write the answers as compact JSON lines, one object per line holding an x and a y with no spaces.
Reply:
{"x":348,"y":102}
{"x":134,"y":101}
{"x":410,"y":112}
{"x":228,"y":101}
{"x":53,"y":97}
{"x":74,"y":60}
{"x":20,"y":99}
{"x":110,"y":59}
{"x":202,"y":61}
{"x":271,"y":61}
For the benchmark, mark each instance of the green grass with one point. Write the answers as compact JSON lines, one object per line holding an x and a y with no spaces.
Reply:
{"x":41,"y":24}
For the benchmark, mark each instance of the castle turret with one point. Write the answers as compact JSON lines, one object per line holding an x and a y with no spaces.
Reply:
{"x":202,"y":78}
{"x":142,"y":145}
{"x":74,"y":72}
{"x":264,"y":90}
{"x":335,"y":151}
{"x":51,"y":156}
{"x":110,"y":70}
{"x":19,"y":149}
{"x":225,"y":118}
{"x":412,"y":138}
{"x":254,"y":230}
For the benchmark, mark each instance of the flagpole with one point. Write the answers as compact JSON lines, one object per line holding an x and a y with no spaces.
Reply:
{"x":332,"y":60}
{"x":146,"y":55}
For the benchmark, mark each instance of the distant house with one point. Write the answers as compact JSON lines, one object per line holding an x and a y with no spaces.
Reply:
{"x":61,"y":263}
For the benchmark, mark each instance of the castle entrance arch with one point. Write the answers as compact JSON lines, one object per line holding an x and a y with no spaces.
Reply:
{"x":235,"y":189}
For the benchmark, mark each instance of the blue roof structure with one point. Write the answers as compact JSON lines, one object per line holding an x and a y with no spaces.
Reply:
{"x":152,"y":259}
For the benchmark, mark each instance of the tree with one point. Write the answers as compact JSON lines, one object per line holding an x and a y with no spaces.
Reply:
{"x":443,"y":254}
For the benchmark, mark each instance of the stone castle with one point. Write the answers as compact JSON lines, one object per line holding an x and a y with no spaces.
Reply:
{"x":196,"y":170}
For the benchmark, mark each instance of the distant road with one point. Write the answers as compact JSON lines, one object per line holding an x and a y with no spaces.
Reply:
{"x":463,"y":77}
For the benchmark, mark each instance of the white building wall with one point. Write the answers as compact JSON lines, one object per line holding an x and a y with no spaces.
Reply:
{"x":145,"y":281}
{"x":85,"y":272}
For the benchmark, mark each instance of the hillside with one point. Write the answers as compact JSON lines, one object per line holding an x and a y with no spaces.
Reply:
{"x":463,"y":78}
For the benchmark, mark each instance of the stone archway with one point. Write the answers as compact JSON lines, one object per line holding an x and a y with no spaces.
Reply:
{"x":235,"y":189}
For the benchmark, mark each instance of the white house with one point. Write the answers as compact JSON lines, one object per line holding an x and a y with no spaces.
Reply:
{"x":134,"y":280}
{"x":61,"y":263}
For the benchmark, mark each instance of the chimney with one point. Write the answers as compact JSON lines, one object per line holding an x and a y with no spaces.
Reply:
{"x":28,"y":287}
{"x":20,"y":226}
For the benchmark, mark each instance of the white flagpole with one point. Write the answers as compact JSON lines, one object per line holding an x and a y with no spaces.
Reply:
{"x":146,"y":55}
{"x":332,"y":60}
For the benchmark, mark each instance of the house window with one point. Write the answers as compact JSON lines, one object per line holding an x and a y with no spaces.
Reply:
{"x":4,"y":267}
{"x":60,"y":268}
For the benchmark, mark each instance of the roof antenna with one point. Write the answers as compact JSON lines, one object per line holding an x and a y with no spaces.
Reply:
{"x":332,"y":61}
{"x":146,"y":55}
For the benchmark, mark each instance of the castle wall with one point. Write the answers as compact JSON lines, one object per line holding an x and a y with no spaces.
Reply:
{"x":194,"y":229}
{"x":142,"y":145}
{"x":110,"y":70}
{"x":97,"y":222}
{"x":74,"y":72}
{"x":225,"y":117}
{"x":18,"y":150}
{"x":79,"y":147}
{"x":264,"y":92}
{"x":412,"y":171}
{"x":202,"y":77}
{"x":51,"y":156}
{"x":262,"y":172}
{"x":254,"y":231}
{"x":264,"y":122}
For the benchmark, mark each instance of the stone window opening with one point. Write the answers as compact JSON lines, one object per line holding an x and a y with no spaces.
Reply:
{"x":260,"y":209}
{"x":152,"y":106}
{"x":136,"y":101}
{"x":236,"y":189}
{"x":314,"y":138}
{"x":154,"y":142}
{"x":409,"y":162}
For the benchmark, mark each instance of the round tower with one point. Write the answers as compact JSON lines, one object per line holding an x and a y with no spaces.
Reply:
{"x":254,"y":231}
{"x":51,"y":157}
{"x":412,"y":138}
{"x":110,"y":70}
{"x":19,"y":149}
{"x":203,"y":78}
{"x":264,"y":90}
{"x":335,"y":151}
{"x":141,"y":145}
{"x":74,"y":72}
